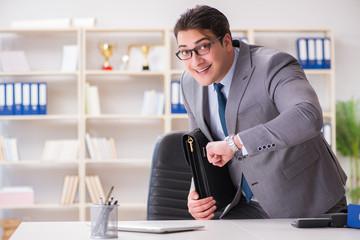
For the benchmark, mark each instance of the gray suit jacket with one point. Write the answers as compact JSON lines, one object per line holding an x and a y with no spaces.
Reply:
{"x":290,"y":168}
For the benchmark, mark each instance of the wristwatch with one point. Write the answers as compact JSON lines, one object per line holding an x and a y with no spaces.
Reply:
{"x":230,"y":140}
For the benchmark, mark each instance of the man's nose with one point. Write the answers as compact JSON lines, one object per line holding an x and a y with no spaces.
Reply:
{"x":196,"y":59}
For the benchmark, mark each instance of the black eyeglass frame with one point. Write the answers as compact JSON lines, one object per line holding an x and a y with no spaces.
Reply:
{"x":196,"y":51}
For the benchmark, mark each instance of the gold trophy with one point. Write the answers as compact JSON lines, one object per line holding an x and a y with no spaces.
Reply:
{"x":106,"y":50}
{"x":144,"y":48}
{"x":145,"y":51}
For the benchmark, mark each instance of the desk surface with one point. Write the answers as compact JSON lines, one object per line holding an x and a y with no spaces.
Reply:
{"x":276,"y":229}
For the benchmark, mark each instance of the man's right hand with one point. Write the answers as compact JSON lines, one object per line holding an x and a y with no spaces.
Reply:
{"x":202,"y":209}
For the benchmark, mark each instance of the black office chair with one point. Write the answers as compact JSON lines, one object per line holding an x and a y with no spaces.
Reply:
{"x":169,"y":181}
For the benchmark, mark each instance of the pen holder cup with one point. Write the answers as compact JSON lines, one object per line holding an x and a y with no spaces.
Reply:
{"x":104,"y":220}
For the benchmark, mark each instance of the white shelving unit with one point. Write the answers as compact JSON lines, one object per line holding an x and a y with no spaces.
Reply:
{"x":43,"y":50}
{"x":121,"y":93}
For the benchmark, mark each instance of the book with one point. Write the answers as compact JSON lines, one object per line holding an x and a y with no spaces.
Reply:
{"x":113,"y":147}
{"x":90,"y":146}
{"x":99,"y":187}
{"x":70,"y":57}
{"x":13,"y":61}
{"x":2,"y":149}
{"x":159,"y":103}
{"x":311,"y":53}
{"x":181,"y":104}
{"x":177,"y":103}
{"x":18,"y":99}
{"x":60,"y":150}
{"x":69,"y":189}
{"x":54,"y":23}
{"x":326,"y":130}
{"x":153,"y":103}
{"x":42,"y":98}
{"x":314,"y":53}
{"x":327,"y":53}
{"x":17,"y":196}
{"x":51,"y":23}
{"x":148,"y":101}
{"x":91,"y":190}
{"x":11,"y":149}
{"x":34,"y":98}
{"x":302,"y":52}
{"x":73,"y":189}
{"x":319,"y":53}
{"x":2,"y":99}
{"x":175,"y":96}
{"x":100,"y":148}
{"x":65,"y":190}
{"x":84,"y":22}
{"x":92,"y":100}
{"x":95,"y":188}
{"x":26,"y":99}
{"x":9,"y":99}
{"x":8,"y":149}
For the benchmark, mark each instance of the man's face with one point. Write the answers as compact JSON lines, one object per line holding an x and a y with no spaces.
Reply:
{"x":211,"y":67}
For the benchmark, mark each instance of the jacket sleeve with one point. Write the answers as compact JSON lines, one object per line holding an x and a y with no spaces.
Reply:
{"x":299,"y":113}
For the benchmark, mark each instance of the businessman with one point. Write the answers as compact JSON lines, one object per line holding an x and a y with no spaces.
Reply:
{"x":263,"y":120}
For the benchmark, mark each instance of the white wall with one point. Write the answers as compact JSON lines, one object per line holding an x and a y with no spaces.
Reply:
{"x":342,"y":16}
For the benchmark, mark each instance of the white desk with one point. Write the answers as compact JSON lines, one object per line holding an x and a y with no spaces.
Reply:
{"x":276,"y":229}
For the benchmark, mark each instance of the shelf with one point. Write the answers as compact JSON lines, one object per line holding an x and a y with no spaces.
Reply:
{"x":177,"y":71}
{"x":123,"y":30}
{"x":127,"y":205}
{"x":39,"y":117}
{"x":179,"y":116}
{"x":38,"y":162}
{"x":132,"y":205}
{"x":319,"y":71}
{"x":136,"y":162}
{"x":41,"y":206}
{"x":39,"y":73}
{"x":124,"y":73}
{"x":37,"y":31}
{"x":122,"y":116}
{"x":327,"y":114}
{"x":292,"y":30}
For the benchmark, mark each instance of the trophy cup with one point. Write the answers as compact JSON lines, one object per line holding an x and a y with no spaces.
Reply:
{"x":145,"y":51}
{"x":106,"y":50}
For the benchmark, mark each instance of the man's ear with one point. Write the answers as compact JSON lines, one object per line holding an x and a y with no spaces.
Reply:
{"x":227,"y":41}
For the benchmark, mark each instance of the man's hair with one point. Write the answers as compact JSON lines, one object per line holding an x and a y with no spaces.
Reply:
{"x":203,"y":17}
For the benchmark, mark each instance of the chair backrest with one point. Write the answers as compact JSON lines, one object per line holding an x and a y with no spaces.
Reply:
{"x":169,"y":181}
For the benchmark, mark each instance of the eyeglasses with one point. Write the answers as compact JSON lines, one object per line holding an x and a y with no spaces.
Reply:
{"x":199,"y":50}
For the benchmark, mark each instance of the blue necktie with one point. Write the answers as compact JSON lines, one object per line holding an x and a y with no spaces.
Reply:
{"x":222,"y":105}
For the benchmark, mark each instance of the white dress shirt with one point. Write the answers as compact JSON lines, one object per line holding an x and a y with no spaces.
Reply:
{"x":215,"y":123}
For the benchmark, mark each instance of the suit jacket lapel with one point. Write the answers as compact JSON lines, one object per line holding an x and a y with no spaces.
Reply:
{"x":242,"y":75}
{"x":202,"y":109}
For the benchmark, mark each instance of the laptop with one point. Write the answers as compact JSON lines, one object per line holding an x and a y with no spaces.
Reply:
{"x":157,"y":226}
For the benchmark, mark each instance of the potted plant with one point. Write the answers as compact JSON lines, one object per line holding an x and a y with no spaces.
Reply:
{"x":348,"y":141}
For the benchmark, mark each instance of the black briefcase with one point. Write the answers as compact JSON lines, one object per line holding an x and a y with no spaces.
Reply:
{"x":209,"y":180}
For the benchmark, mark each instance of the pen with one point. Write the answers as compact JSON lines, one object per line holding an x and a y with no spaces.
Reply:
{"x":108,"y":196}
{"x":115,"y":202}
{"x":109,"y":203}
{"x":100,"y":201}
